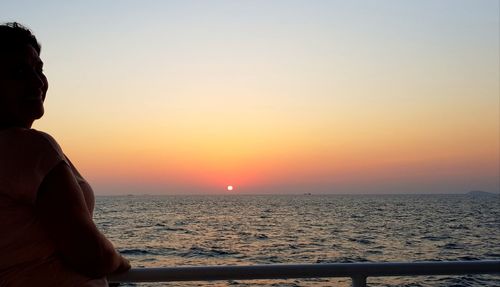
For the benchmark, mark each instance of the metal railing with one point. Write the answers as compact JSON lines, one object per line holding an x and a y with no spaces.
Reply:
{"x":358,"y":272}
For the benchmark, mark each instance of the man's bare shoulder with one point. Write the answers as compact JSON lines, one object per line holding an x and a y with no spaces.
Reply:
{"x":26,"y":140}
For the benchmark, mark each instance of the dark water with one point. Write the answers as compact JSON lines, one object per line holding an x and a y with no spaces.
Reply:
{"x":162,"y":231}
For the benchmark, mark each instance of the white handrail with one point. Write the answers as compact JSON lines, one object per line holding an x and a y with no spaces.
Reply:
{"x":357,"y":271}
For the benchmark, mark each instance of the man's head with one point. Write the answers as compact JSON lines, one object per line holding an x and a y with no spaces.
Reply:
{"x":23,"y":85}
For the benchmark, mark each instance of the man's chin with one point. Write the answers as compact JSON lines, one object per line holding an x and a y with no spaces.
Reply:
{"x":40,"y":113}
{"x":35,"y":113}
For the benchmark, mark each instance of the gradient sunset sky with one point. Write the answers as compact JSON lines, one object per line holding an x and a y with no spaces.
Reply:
{"x":183,"y":97}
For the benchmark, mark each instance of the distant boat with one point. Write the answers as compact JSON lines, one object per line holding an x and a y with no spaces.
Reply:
{"x":307,"y":193}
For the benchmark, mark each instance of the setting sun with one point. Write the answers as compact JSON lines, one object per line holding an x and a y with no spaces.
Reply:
{"x":229,"y":188}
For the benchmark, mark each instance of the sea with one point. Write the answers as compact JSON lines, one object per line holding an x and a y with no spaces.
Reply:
{"x":198,"y":230}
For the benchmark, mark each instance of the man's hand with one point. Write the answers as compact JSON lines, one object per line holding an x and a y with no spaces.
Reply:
{"x":123,"y":267}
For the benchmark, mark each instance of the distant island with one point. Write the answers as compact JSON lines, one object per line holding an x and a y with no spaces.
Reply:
{"x":481,"y":193}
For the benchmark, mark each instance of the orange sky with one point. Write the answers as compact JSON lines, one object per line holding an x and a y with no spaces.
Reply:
{"x":274,"y":96}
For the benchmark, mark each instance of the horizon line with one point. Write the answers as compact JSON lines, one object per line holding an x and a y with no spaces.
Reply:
{"x":274,"y":194}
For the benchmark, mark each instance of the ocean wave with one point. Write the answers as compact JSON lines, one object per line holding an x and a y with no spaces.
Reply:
{"x":136,"y":252}
{"x":343,"y":260}
{"x":452,"y":246}
{"x":148,"y":251}
{"x":197,"y":251}
{"x":364,"y":241}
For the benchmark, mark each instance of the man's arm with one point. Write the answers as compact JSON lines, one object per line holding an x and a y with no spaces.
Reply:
{"x":63,"y":212}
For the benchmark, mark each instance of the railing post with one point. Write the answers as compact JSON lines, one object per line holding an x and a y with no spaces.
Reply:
{"x":359,"y":281}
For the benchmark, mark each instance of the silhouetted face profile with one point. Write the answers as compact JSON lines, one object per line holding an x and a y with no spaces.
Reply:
{"x":23,"y":87}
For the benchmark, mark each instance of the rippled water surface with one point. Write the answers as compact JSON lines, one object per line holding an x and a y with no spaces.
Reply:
{"x":162,"y":231}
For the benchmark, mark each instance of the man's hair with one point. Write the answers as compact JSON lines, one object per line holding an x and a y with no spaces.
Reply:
{"x":14,"y":37}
